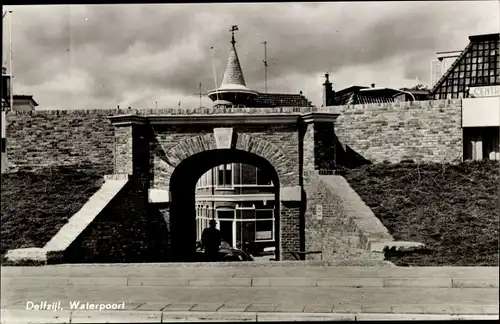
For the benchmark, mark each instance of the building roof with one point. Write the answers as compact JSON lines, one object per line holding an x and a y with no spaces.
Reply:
{"x":365,"y":95}
{"x":475,"y":40}
{"x":25,"y":97}
{"x":281,"y":100}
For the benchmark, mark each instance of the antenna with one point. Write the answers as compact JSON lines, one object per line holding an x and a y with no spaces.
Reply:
{"x":199,"y":94}
{"x":265,"y":65}
{"x":215,"y":75}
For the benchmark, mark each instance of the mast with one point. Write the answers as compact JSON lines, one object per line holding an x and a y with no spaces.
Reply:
{"x":265,"y":65}
{"x":215,"y":74}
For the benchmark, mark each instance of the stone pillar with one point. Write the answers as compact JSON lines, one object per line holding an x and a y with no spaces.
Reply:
{"x":131,"y":145}
{"x":319,"y":141}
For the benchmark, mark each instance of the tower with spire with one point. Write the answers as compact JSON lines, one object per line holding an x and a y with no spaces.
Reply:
{"x":233,"y":90}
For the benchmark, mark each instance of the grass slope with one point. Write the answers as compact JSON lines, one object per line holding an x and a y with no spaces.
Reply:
{"x":35,"y":205}
{"x":453,"y":209}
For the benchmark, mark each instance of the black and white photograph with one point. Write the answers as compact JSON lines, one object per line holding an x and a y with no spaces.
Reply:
{"x":250,"y":162}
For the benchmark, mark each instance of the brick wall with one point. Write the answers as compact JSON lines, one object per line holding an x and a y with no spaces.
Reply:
{"x":127,"y":230}
{"x":420,"y":130}
{"x":42,"y":138}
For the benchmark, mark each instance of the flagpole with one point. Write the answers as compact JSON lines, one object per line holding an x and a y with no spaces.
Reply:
{"x":215,"y":74}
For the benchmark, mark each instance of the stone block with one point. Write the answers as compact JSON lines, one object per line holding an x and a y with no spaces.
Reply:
{"x":119,"y":281}
{"x":303,"y":317}
{"x":418,"y":282}
{"x":35,"y":281}
{"x":174,"y":307}
{"x":262,"y":308}
{"x":152,"y":306}
{"x":291,"y":194}
{"x":157,"y":282}
{"x":401,"y":317}
{"x":350,"y":282}
{"x":116,"y":317}
{"x":234,"y":307}
{"x":24,"y":316}
{"x":206,"y":307}
{"x":289,"y":308}
{"x":475,"y":283}
{"x":221,"y":282}
{"x":27,"y":254}
{"x":318,"y":308}
{"x":169,"y":317}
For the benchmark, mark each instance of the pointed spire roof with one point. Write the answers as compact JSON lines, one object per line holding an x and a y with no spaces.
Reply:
{"x":233,"y":82}
{"x":233,"y":75}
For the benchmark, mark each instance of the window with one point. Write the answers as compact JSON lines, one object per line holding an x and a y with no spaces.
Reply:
{"x":225,"y":214}
{"x":264,"y":214}
{"x":264,"y":230}
{"x":224,"y":175}
{"x":248,"y":174}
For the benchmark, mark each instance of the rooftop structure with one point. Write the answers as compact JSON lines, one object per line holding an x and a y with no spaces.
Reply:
{"x":233,"y":90}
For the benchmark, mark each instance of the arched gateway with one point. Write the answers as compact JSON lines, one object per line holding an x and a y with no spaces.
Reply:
{"x":167,"y":154}
{"x":282,"y":134}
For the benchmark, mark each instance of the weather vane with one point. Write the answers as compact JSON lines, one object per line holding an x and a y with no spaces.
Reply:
{"x":232,"y":30}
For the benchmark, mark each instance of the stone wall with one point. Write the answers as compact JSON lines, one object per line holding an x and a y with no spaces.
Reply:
{"x":345,"y":225}
{"x":421,"y":131}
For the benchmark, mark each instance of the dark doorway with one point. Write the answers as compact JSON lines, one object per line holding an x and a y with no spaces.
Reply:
{"x":183,"y":225}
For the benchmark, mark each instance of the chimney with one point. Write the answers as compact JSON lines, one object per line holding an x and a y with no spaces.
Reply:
{"x":328,"y":93}
{"x":373,"y":85}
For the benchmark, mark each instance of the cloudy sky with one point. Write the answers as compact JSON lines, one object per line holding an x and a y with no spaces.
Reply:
{"x":101,"y":56}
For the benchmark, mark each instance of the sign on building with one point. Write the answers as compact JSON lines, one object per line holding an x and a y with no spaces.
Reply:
{"x":487,"y":91}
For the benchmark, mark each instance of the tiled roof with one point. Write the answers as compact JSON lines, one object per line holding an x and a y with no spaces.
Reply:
{"x":363,"y":99}
{"x":281,"y":100}
{"x":233,"y":75}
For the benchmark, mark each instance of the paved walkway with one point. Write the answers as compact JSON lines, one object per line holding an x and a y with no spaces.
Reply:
{"x":354,"y":293}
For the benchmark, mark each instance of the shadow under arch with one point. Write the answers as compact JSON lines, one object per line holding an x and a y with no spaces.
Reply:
{"x":182,"y":194}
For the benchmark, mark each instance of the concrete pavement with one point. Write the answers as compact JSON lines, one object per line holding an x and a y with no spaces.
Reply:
{"x":158,"y":293}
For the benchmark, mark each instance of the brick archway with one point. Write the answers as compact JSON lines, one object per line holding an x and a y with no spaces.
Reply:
{"x":151,"y":148}
{"x":245,"y":148}
{"x":243,"y":142}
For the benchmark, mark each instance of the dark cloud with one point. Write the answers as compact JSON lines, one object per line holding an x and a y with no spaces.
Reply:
{"x":132,"y":53}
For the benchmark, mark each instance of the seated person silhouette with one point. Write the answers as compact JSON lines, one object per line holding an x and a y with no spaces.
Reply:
{"x":211,"y":240}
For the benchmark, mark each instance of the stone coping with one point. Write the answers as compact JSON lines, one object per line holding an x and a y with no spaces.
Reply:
{"x":245,"y":264}
{"x":19,"y":315}
{"x":206,"y":110}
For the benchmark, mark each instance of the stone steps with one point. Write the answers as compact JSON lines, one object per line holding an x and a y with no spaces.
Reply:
{"x":365,"y":282}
